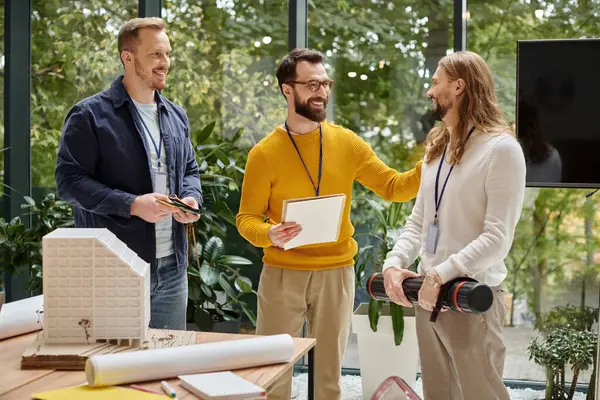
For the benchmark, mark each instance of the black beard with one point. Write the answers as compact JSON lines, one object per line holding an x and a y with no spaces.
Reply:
{"x":304,"y":110}
{"x":438,"y":112}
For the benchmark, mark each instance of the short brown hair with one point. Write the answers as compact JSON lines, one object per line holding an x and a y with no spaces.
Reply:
{"x":287,"y":68}
{"x":128,"y":35}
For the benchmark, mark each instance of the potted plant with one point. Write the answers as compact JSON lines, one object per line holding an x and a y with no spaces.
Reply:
{"x":567,"y":341}
{"x":216,"y":289}
{"x":386,"y":332}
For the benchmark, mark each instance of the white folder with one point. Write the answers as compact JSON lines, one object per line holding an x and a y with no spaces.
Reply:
{"x":320,"y":219}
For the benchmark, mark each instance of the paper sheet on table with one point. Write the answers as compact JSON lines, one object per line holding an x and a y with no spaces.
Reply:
{"x":85,"y":392}
{"x":155,"y":364}
{"x":319,"y":217}
{"x":21,"y":316}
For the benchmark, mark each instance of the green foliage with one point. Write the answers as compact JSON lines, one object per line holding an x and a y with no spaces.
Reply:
{"x":21,"y":246}
{"x":17,"y":247}
{"x":209,"y":272}
{"x":560,"y":349}
{"x":219,"y":159}
{"x":383,"y":231}
{"x":218,"y":73}
{"x":567,"y":341}
{"x":74,"y":55}
{"x":569,"y":316}
{"x":388,"y":222}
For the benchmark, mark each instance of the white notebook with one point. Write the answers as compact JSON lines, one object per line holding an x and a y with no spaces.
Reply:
{"x":222,"y":386}
{"x":320,"y":218}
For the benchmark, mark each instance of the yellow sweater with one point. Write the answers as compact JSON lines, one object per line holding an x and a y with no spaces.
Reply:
{"x":275,"y":173}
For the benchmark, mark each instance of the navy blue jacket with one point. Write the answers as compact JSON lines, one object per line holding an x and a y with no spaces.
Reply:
{"x":103,"y":163}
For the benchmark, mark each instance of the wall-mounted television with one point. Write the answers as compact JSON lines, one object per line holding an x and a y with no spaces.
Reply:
{"x":558,"y":111}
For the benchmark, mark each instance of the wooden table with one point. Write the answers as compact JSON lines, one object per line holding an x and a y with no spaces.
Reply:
{"x":16,"y":383}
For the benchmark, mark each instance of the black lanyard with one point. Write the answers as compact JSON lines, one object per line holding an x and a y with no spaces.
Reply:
{"x":437,"y":178}
{"x":318,"y":186}
{"x":159,"y":147}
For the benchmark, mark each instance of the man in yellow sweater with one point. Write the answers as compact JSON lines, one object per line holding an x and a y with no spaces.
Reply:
{"x":304,"y":157}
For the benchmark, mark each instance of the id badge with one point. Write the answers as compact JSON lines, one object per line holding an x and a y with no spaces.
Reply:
{"x":160,"y":182}
{"x":432,"y":237}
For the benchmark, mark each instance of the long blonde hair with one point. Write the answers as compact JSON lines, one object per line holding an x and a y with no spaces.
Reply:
{"x":477,"y":105}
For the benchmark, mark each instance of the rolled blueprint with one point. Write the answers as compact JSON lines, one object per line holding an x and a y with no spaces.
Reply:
{"x":154,"y":364}
{"x":21,"y":316}
{"x":461,"y":294}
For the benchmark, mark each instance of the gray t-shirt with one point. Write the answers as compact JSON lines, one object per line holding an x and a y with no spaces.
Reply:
{"x":164,"y":228}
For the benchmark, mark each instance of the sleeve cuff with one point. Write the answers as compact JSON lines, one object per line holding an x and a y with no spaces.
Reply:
{"x":127,"y":199}
{"x":447,"y":271}
{"x":262,"y":235}
{"x":392,"y":262}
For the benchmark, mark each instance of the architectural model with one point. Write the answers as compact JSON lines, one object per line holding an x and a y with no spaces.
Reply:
{"x":95,"y":288}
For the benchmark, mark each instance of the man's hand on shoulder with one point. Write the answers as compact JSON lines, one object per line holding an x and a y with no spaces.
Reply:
{"x":147,"y":208}
{"x":282,"y":233}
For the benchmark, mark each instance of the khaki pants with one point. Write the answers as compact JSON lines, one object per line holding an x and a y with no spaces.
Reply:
{"x":286,"y":298}
{"x":462,"y":355}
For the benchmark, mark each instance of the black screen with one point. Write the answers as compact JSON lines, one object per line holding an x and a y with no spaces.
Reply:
{"x":558,"y":113}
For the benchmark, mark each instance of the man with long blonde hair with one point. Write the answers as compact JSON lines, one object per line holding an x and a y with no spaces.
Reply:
{"x":462,"y":225}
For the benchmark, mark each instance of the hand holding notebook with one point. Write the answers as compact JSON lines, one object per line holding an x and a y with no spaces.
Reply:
{"x":282,"y":233}
{"x":320,"y":219}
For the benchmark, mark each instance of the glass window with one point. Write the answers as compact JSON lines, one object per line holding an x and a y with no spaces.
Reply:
{"x":74,"y":55}
{"x":382,"y":55}
{"x":2,"y":62}
{"x":223,"y":71}
{"x":553,"y":260}
{"x":225,"y":55}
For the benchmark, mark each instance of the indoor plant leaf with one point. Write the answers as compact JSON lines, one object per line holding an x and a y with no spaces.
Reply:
{"x":234,"y":260}
{"x":374,"y":313}
{"x":226,"y":286}
{"x":397,"y":313}
{"x":209,"y":274}
{"x":243,"y":284}
{"x":213,"y":249}
{"x":194,"y":291}
{"x":210,"y":294}
{"x":204,"y":134}
{"x":249,"y":313}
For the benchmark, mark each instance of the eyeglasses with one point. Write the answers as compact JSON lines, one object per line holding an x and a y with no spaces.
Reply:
{"x":314,"y":86}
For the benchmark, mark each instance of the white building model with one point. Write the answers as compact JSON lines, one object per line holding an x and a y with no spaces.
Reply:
{"x":95,"y":288}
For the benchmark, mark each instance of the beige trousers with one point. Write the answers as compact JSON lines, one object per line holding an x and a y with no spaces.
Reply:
{"x":462,"y":355}
{"x":324,"y":299}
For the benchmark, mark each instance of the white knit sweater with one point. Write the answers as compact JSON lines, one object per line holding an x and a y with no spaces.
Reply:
{"x":477,"y":215}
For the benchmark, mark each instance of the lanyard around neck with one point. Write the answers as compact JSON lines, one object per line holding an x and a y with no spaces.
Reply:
{"x":318,"y":186}
{"x":437,"y":178}
{"x":158,"y":148}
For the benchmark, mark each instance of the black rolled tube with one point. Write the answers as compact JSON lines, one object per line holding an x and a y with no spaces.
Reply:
{"x":461,"y":294}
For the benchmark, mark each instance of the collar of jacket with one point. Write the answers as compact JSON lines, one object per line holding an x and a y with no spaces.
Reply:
{"x":119,"y":95}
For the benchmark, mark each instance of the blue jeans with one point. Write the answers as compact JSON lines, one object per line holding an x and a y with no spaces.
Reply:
{"x":168,"y":294}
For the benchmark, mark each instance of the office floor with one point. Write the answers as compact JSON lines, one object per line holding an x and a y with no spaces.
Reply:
{"x":351,"y":390}
{"x":516,"y":367}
